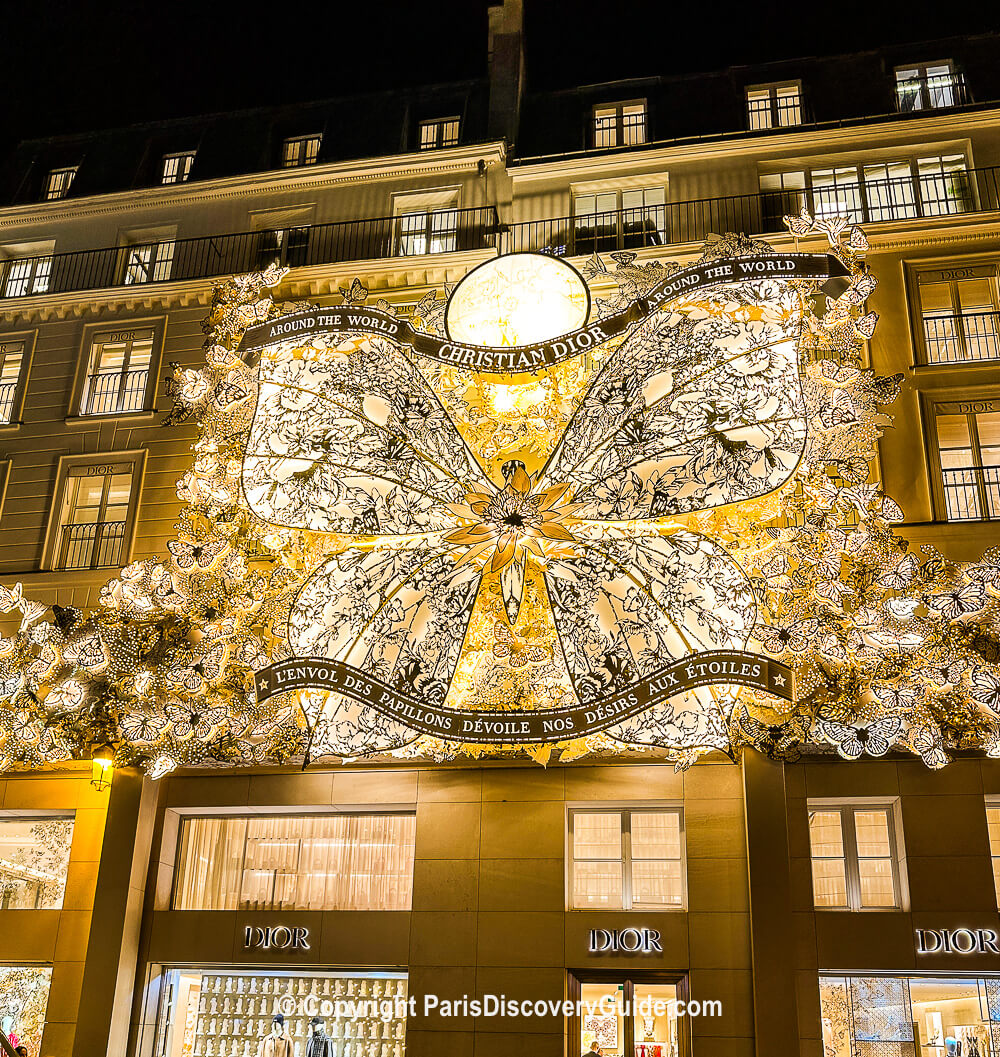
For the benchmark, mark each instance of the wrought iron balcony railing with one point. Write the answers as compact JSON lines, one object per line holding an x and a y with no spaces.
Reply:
{"x":924,"y":194}
{"x":8,"y":390}
{"x":972,"y":493}
{"x":931,"y":92}
{"x":967,"y":337}
{"x":91,"y":546}
{"x":112,"y":393}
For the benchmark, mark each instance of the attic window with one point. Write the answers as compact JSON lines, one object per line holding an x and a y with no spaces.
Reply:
{"x":177,"y":167}
{"x":59,"y":182}
{"x":441,"y":132}
{"x":620,"y":124}
{"x":300,"y":150}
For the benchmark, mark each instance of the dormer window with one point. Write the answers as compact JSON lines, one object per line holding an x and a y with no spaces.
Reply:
{"x":442,"y":132}
{"x":300,"y":150}
{"x":59,"y":182}
{"x":620,"y":124}
{"x":177,"y":167}
{"x":929,"y":86}
{"x":774,"y":105}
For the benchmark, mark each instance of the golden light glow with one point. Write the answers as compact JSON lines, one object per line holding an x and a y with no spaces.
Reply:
{"x":517,"y":299}
{"x":102,"y":768}
{"x":507,"y":398}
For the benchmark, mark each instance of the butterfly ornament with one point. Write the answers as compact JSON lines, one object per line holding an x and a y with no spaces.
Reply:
{"x":698,"y":406}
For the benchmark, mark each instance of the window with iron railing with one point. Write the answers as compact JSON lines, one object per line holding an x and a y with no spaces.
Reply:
{"x":300,"y":150}
{"x":959,"y":314}
{"x":442,"y":132}
{"x":26,"y":275}
{"x":620,"y":124}
{"x":929,"y":86}
{"x":177,"y":167}
{"x":94,"y":516}
{"x":614,"y":220}
{"x":148,"y":262}
{"x":430,"y":231}
{"x":287,"y":246}
{"x":11,"y":368}
{"x":59,"y":181}
{"x":118,"y":372}
{"x":967,"y":439}
{"x":774,"y":105}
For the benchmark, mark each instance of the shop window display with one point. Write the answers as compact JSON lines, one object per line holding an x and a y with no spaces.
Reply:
{"x":629,"y":1017}
{"x":247,"y":1013}
{"x":24,"y":995}
{"x":34,"y":858}
{"x":902,"y":1016}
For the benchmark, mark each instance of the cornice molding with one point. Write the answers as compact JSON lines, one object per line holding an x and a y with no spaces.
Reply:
{"x":448,"y":160}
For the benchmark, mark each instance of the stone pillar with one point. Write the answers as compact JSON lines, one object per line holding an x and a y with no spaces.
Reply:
{"x":112,"y":948}
{"x":775,"y":1012}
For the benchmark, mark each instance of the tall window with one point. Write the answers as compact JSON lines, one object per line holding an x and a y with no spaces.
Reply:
{"x":854,"y":857}
{"x":310,"y":862}
{"x":300,"y":150}
{"x":118,"y":372}
{"x":620,"y":124}
{"x":967,"y":435}
{"x":94,"y":515}
{"x":24,"y":996}
{"x":928,"y":86}
{"x":442,"y":132}
{"x":177,"y":167}
{"x":612,"y":220}
{"x":774,"y":105}
{"x":286,"y":245}
{"x":959,"y":310}
{"x":26,"y":275}
{"x":430,"y":231}
{"x":625,"y":859}
{"x":34,"y":859}
{"x":11,"y":366}
{"x":993,"y":822}
{"x":59,"y":181}
{"x":148,"y":262}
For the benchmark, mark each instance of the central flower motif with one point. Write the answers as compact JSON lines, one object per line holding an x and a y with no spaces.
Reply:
{"x":510,"y":523}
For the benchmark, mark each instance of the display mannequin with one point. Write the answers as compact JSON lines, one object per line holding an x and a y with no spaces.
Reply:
{"x":320,"y":1044}
{"x":277,"y":1042}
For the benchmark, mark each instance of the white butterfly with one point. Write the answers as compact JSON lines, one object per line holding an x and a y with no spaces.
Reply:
{"x":876,"y":739}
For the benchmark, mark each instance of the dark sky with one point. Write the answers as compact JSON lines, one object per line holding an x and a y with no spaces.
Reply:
{"x":72,"y":65}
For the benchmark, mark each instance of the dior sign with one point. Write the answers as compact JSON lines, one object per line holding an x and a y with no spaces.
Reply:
{"x":277,"y":938}
{"x":957,"y":941}
{"x":624,"y":941}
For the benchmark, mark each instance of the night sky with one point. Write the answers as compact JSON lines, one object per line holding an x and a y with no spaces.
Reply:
{"x":76,"y":65}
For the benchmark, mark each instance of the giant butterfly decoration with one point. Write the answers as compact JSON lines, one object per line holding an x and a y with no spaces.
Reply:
{"x":696,"y":404}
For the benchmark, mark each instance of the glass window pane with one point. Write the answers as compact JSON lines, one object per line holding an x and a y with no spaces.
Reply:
{"x":871,"y":828}
{"x":24,"y":996}
{"x":655,"y":1012}
{"x":825,"y":833}
{"x":656,"y":883}
{"x":936,"y":297}
{"x":829,"y":883}
{"x":950,"y":1008}
{"x":34,"y":858}
{"x":602,"y":1019}
{"x":656,"y":835}
{"x":876,"y":883}
{"x":952,"y":431}
{"x":597,"y":884}
{"x":597,"y":835}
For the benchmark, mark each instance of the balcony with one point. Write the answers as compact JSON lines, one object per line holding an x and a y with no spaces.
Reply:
{"x":972,"y":493}
{"x":91,"y":546}
{"x":923,"y":195}
{"x":930,"y":91}
{"x":970,"y":337}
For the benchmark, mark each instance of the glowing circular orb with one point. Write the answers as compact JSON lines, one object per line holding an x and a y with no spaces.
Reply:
{"x":517,"y":299}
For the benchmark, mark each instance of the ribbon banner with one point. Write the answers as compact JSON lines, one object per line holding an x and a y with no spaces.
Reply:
{"x":348,"y":319}
{"x":527,"y":727}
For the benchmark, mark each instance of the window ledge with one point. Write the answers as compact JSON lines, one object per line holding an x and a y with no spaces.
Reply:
{"x":10,"y":427}
{"x":125,"y":417}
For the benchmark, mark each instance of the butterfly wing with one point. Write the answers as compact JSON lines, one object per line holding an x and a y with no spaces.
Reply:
{"x":843,"y":736}
{"x":347,"y":436}
{"x":713,"y":393}
{"x":399,"y":615}
{"x":626,"y":607}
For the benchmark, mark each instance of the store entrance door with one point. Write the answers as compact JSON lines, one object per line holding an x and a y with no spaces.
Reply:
{"x":633,"y":1015}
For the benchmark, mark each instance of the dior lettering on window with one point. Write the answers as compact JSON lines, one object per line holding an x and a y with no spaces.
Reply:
{"x":624,"y":941}
{"x":957,"y":941}
{"x":277,"y":938}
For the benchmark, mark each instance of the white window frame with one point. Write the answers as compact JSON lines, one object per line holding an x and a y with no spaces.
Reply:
{"x":953,"y":272}
{"x":776,"y":114}
{"x":436,"y":207}
{"x":608,"y":122}
{"x":437,"y":127}
{"x":847,"y":810}
{"x":59,"y":181}
{"x":147,"y":255}
{"x":969,"y":402}
{"x":176,"y":168}
{"x":658,"y":211}
{"x":300,"y":151}
{"x":922,"y":80}
{"x":283,"y":235}
{"x":53,"y":533}
{"x":26,"y":268}
{"x":625,"y":811}
{"x":94,"y":332}
{"x":26,"y":339}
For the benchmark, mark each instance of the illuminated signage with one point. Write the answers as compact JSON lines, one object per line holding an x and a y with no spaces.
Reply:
{"x":275,"y":938}
{"x":957,"y":941}
{"x":624,"y":941}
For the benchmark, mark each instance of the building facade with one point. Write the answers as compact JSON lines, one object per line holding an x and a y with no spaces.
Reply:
{"x":843,"y":909}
